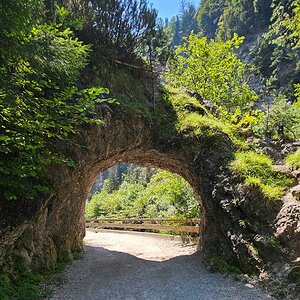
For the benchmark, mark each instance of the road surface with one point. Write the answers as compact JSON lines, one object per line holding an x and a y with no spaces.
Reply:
{"x":119,"y":266}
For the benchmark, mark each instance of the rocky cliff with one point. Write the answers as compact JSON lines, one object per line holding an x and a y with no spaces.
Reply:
{"x":248,"y":232}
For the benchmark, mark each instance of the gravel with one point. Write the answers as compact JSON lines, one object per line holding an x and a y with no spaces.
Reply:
{"x":123,"y":266}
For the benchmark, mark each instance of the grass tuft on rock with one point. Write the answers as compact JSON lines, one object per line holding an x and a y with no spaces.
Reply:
{"x":293,"y":160}
{"x":193,"y":119}
{"x":257,"y":172}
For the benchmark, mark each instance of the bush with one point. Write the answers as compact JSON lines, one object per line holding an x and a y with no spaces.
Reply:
{"x":222,"y":265}
{"x":212,"y":69}
{"x":41,"y":105}
{"x":282,"y":120}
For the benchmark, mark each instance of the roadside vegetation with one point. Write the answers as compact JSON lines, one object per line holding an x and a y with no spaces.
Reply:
{"x":26,"y":285}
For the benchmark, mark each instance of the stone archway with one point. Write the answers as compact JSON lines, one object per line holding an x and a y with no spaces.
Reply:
{"x":41,"y":232}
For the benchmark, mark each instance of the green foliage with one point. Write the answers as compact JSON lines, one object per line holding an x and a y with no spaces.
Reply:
{"x":297,"y":94}
{"x":40,"y":105}
{"x":243,"y":123}
{"x":221,"y":265}
{"x":286,"y":20}
{"x":208,"y":16}
{"x":24,"y":287}
{"x":293,"y":160}
{"x":242,"y":17}
{"x":16,"y":20}
{"x":182,"y":25}
{"x":281,"y":120}
{"x":54,"y":51}
{"x":271,"y":29}
{"x":167,"y":195}
{"x":257,"y":172}
{"x":213,"y":70}
{"x":282,"y":67}
{"x":262,"y":56}
{"x":118,"y":29}
{"x":228,"y":17}
{"x":193,"y":119}
{"x":293,"y":25}
{"x":158,"y":45}
{"x":251,"y":163}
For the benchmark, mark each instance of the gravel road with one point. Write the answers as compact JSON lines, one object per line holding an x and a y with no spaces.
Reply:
{"x":124,"y":266}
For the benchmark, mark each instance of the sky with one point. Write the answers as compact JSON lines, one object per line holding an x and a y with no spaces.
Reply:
{"x":169,"y":8}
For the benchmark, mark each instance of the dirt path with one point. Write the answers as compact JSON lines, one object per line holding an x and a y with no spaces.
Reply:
{"x":123,"y":266}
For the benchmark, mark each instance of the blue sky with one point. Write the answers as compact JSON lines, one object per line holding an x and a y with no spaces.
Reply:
{"x":169,"y":8}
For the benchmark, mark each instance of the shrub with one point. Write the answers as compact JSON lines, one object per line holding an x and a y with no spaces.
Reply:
{"x":222,"y":265}
{"x":213,"y":70}
{"x":282,"y":121}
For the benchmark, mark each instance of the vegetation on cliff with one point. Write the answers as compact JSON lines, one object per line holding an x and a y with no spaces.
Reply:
{"x":211,"y":69}
{"x":271,"y":45}
{"x":293,"y":160}
{"x":40,"y":103}
{"x":270,"y":29}
{"x":41,"y":97}
{"x":257,"y":172}
{"x":55,"y":61}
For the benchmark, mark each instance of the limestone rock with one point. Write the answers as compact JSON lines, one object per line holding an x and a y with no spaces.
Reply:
{"x":296,"y":192}
{"x":288,"y":228}
{"x":290,"y":148}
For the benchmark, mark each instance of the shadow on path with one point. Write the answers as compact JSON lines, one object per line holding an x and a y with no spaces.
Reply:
{"x":104,"y":274}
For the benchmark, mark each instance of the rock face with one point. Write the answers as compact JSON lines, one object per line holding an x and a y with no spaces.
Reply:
{"x":239,"y":225}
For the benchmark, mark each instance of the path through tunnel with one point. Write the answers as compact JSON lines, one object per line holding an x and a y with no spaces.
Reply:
{"x":130,"y":265}
{"x":147,"y":159}
{"x":124,"y":266}
{"x":52,"y":229}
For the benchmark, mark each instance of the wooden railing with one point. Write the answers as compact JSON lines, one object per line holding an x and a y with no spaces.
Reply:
{"x":152,"y":224}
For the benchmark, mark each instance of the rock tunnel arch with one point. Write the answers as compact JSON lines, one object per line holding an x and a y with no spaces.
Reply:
{"x":42,"y":231}
{"x":128,"y":138}
{"x":150,"y":158}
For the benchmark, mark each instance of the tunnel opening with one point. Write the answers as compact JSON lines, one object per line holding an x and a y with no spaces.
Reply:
{"x":131,"y":198}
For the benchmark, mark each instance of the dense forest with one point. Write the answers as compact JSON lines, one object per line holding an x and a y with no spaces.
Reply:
{"x":270,"y":29}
